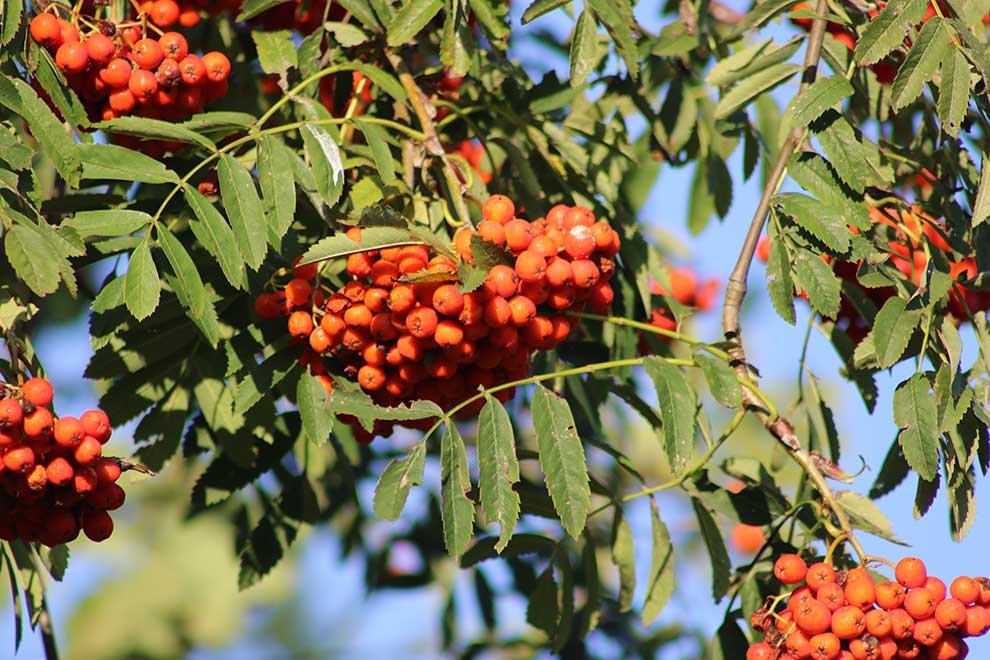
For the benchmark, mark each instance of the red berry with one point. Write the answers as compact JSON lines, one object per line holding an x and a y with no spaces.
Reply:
{"x":96,"y":424}
{"x":217,"y":66}
{"x":38,"y":391}
{"x":46,"y":31}
{"x":97,"y":525}
{"x":147,"y":54}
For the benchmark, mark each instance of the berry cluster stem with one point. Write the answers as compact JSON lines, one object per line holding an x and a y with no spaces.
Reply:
{"x":425,"y":113}
{"x":780,"y":427}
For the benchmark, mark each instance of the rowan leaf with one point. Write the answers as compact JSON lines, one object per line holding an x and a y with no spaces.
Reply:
{"x":247,"y":216}
{"x":142,"y":286}
{"x":498,"y":469}
{"x":562,"y":459}
{"x":398,"y":478}
{"x":457,"y":509}
{"x":660,"y":584}
{"x":678,"y":404}
{"x":915,"y":414}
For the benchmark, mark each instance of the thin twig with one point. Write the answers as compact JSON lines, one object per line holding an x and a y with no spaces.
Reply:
{"x":425,"y":113}
{"x":814,"y":465}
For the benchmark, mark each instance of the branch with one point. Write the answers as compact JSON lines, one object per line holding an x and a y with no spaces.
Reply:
{"x":814,"y":465}
{"x":424,"y":113}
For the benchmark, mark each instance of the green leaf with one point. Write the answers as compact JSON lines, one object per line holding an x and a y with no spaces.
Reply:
{"x":110,"y":222}
{"x":314,"y":409}
{"x":674,"y":40}
{"x":887,"y":30}
{"x":278,"y":190}
{"x":761,"y":13}
{"x":156,"y":129}
{"x":399,"y":476}
{"x":189,"y":287}
{"x":457,"y":509}
{"x":678,"y":404}
{"x":815,"y":277}
{"x":721,"y":380}
{"x":54,"y":139}
{"x":660,"y":585}
{"x":376,"y":137}
{"x":53,"y":82}
{"x":485,"y":14}
{"x":109,"y":161}
{"x":813,"y":173}
{"x":276,"y":51}
{"x":922,"y":62}
{"x":846,"y":153}
{"x":981,"y":206}
{"x":471,"y":277}
{"x":498,"y":469}
{"x":821,"y":95}
{"x":892,"y":329}
{"x":864,"y":514}
{"x":453,"y":37}
{"x":915,"y":414}
{"x":617,"y":17}
{"x":324,"y":158}
{"x":521,"y":544}
{"x":562,"y":459}
{"x":744,"y":63}
{"x":247,"y":217}
{"x":372,"y":238}
{"x":624,"y":557}
{"x":715,"y":545}
{"x":543,"y":607}
{"x":410,"y":19}
{"x":216,"y":236}
{"x":29,"y":254}
{"x":749,"y":89}
{"x":142,"y":286}
{"x":584,"y":52}
{"x":10,"y":21}
{"x":260,"y":379}
{"x":252,"y":8}
{"x":826,"y":224}
{"x":953,"y":91}
{"x":486,"y":255}
{"x":355,"y":402}
{"x":362,"y":11}
{"x":779,"y":282}
{"x":541,"y":7}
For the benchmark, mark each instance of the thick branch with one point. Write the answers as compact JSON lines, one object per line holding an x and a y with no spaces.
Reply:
{"x":814,"y":465}
{"x":425,"y":113}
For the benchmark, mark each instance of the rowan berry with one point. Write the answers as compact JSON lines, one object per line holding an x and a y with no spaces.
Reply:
{"x":579,"y":242}
{"x":798,"y":644}
{"x":188,"y":15}
{"x":984,"y":584}
{"x":46,"y":31}
{"x":448,"y":300}
{"x":948,"y":648}
{"x":890,"y":594}
{"x":192,"y":69}
{"x":11,"y":411}
{"x":951,"y":614}
{"x":936,"y":588}
{"x":422,"y":322}
{"x":122,"y":100}
{"x":825,"y":646}
{"x":819,"y":573}
{"x":848,"y":622}
{"x":164,"y":13}
{"x":908,"y":648}
{"x":38,"y":425}
{"x":147,"y":54}
{"x":790,"y":569}
{"x":108,"y":497}
{"x":927,"y":632}
{"x":99,"y":48}
{"x":518,"y":235}
{"x":910,"y":572}
{"x":504,"y":337}
{"x":600,"y":296}
{"x":919,"y":603}
{"x":502,"y":281}
{"x":217,"y":66}
{"x":96,"y":424}
{"x":358,"y":316}
{"x":832,"y":595}
{"x":901,"y":623}
{"x":38,"y":391}
{"x":498,"y":208}
{"x":585,"y":273}
{"x":107,"y":470}
{"x":142,"y":84}
{"x":860,"y":589}
{"x":812,"y":617}
{"x":977,"y":621}
{"x":448,"y":333}
{"x":69,"y":432}
{"x":69,"y":31}
{"x":491,"y":231}
{"x":87,"y":451}
{"x":19,"y":459}
{"x":174,"y":46}
{"x":412,"y":372}
{"x":522,"y":310}
{"x":965,"y":589}
{"x":371,"y":377}
{"x":97,"y":525}
{"x":300,"y":324}
{"x":878,"y":623}
{"x":116,"y":73}
{"x":297,"y":292}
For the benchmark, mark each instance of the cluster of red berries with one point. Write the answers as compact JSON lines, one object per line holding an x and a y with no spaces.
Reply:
{"x":54,"y":480}
{"x":850,"y":616}
{"x":403,"y":329}
{"x":885,"y":70}
{"x":907,"y":253}
{"x":303,"y":16}
{"x":118,"y":70}
{"x":687,"y":290}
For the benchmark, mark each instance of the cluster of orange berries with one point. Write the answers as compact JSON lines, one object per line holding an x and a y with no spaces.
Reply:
{"x":850,"y":616}
{"x":908,"y":254}
{"x":119,"y":70}
{"x":885,"y":70}
{"x":405,"y":331}
{"x":54,"y":480}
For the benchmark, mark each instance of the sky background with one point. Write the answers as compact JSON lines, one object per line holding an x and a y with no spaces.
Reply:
{"x":328,"y":591}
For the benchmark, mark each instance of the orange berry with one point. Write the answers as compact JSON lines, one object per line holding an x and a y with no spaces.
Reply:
{"x":812,"y":617}
{"x":164,"y":13}
{"x":319,"y":341}
{"x":59,"y":471}
{"x":848,"y":622}
{"x":860,"y":590}
{"x":819,"y":573}
{"x":562,"y":297}
{"x":558,"y":272}
{"x":192,"y":69}
{"x":936,"y":588}
{"x":491,"y":231}
{"x":107,"y":470}
{"x":518,"y":235}
{"x":977,"y":621}
{"x":790,"y":569}
{"x":448,"y":333}
{"x":522,"y":310}
{"x":96,"y":424}
{"x":462,"y":244}
{"x":498,"y":208}
{"x":19,"y":459}
{"x":38,"y":425}
{"x":504,"y":337}
{"x":919,"y":603}
{"x":355,"y":339}
{"x":382,"y":327}
{"x":217,"y":66}
{"x":585,"y":273}
{"x":268,"y":306}
{"x":555,"y":216}
{"x":578,"y":216}
{"x":448,"y":300}
{"x":71,"y":57}
{"x":538,"y":332}
{"x":832,"y":595}
{"x":409,"y":348}
{"x":360,"y":264}
{"x":384,"y":273}
{"x":300,"y":324}
{"x":543,"y":246}
{"x":99,"y":48}
{"x":358,"y":316}
{"x":901,"y":623}
{"x":604,"y":236}
{"x":371,"y":378}
{"x":951,"y":614}
{"x":965,"y":589}
{"x":147,"y":54}
{"x":46,"y":31}
{"x":11,"y":411}
{"x":798,"y":644}
{"x":948,"y":648}
{"x":910,"y":572}
{"x":762,"y":651}
{"x":142,"y":84}
{"x":908,"y":648}
{"x":878,"y":623}
{"x":825,"y":646}
{"x":87,"y":451}
{"x":69,"y":432}
{"x":984,"y":584}
{"x":401,"y":299}
{"x":600,"y":297}
{"x":38,"y":391}
{"x":297,"y":292}
{"x":530,"y":266}
{"x":502,"y":281}
{"x":579,"y":242}
{"x":890,"y":594}
{"x":175,"y":46}
{"x":497,"y":312}
{"x":927,"y":632}
{"x":422,"y":322}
